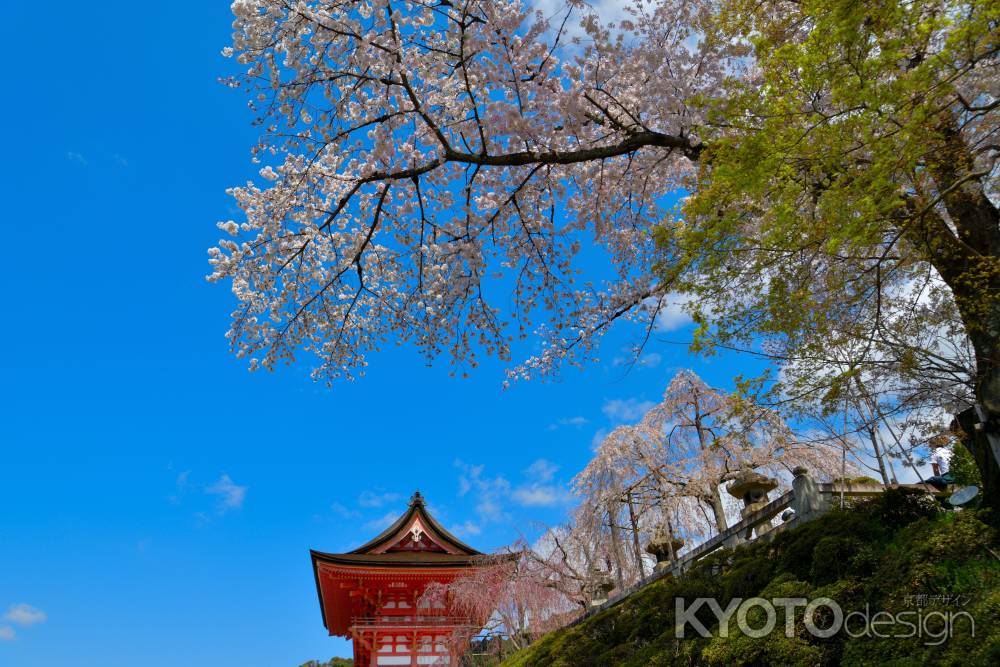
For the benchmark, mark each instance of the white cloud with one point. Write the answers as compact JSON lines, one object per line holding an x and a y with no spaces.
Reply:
{"x":180,"y":488}
{"x":541,"y":495}
{"x":626,"y":410}
{"x":599,"y":436}
{"x":374,"y":499}
{"x":231,"y":495}
{"x":575,"y":422}
{"x":672,"y":315}
{"x":24,"y":614}
{"x":542,"y":470}
{"x":539,"y":492}
{"x":344,"y":512}
{"x":490,"y":493}
{"x":650,"y":360}
{"x":7,"y":633}
{"x":466,"y":529}
{"x":382,"y":522}
{"x":73,"y":156}
{"x":491,"y":509}
{"x":555,"y":10}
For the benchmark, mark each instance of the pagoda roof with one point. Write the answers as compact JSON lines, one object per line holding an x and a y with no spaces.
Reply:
{"x":414,"y":542}
{"x":416,"y":510}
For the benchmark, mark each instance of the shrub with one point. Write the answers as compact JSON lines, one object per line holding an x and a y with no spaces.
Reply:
{"x":832,"y":558}
{"x":881,"y":553}
{"x":896,"y":508}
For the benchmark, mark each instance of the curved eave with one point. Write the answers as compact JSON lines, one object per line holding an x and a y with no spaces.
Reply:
{"x":352,"y":565}
{"x":319,"y":589}
{"x":396,"y":560}
{"x":393,"y":530}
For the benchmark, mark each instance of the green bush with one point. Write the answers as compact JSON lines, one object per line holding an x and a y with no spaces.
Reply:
{"x":883,"y":553}
{"x":895,"y":508}
{"x":832,"y":557}
{"x":963,"y":467}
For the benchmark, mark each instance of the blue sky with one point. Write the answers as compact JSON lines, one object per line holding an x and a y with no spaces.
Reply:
{"x":157,"y":501}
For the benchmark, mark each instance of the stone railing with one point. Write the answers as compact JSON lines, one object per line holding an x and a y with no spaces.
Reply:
{"x":807,"y":499}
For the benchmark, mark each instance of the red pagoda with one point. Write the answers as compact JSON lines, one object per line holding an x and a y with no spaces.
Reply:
{"x":373,"y":594}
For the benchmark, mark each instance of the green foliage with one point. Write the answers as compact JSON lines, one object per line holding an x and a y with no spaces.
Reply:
{"x":882,"y":553}
{"x":895,"y":508}
{"x":831,"y":559}
{"x":963,"y":468}
{"x":332,"y":662}
{"x":862,"y":480}
{"x":829,"y":187}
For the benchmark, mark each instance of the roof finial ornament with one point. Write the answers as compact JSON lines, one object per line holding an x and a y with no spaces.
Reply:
{"x":416,"y":498}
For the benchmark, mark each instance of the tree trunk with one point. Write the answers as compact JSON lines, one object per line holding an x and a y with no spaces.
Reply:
{"x":874,"y":417}
{"x":716,"y":500}
{"x":977,"y":441}
{"x":968,"y":260}
{"x":616,"y":545}
{"x":718,"y":509}
{"x":635,"y":536}
{"x":981,"y":423}
{"x":878,"y":457}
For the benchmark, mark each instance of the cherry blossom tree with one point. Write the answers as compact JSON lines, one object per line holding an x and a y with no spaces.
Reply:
{"x":669,"y":469}
{"x":432,"y":171}
{"x":421,"y":159}
{"x":506,"y":595}
{"x":575,"y":559}
{"x":679,"y":456}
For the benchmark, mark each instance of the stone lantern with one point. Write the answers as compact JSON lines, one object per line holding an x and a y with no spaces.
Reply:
{"x":752,"y":488}
{"x":601,"y":584}
{"x":660,"y":547}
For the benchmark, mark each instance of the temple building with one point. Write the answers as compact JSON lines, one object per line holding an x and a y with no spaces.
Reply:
{"x":372,"y":595}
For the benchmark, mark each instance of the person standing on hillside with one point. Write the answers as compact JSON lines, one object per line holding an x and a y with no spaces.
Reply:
{"x":940,"y":460}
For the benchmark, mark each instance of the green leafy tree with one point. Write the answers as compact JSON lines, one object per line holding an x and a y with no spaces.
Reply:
{"x":332,"y":662}
{"x":963,"y":468}
{"x":845,"y":208}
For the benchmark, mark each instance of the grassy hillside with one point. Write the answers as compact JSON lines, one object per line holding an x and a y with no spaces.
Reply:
{"x":887,"y":553}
